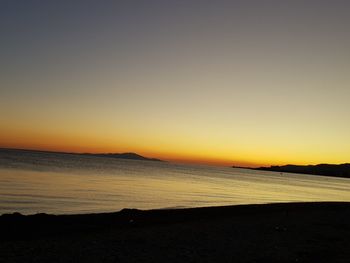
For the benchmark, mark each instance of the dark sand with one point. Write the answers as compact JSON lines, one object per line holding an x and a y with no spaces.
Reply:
{"x":294,"y":232}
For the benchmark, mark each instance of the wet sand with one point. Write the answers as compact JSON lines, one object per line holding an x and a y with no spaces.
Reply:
{"x":291,"y":232}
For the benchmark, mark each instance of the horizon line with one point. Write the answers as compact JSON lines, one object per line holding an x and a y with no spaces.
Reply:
{"x":180,"y":161}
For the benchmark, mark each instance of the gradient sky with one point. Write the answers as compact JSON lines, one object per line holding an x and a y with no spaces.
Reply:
{"x":222,"y":82}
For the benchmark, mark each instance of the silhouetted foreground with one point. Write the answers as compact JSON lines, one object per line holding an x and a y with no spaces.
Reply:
{"x":337,"y":170}
{"x":294,"y":232}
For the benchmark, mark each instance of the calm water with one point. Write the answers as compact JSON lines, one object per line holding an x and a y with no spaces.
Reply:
{"x":32,"y":182}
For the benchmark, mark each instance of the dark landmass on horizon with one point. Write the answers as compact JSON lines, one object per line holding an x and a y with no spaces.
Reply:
{"x":335,"y":170}
{"x":129,"y":156}
{"x":289,"y":232}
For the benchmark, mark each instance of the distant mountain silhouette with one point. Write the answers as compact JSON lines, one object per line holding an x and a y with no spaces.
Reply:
{"x":130,"y":156}
{"x":336,"y":170}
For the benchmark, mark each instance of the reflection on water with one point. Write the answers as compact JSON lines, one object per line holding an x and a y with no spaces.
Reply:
{"x":54,"y":183}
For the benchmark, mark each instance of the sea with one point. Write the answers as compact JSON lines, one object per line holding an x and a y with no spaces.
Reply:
{"x":57,"y":183}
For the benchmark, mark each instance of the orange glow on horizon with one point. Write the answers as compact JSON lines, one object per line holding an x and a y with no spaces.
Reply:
{"x":170,"y":157}
{"x":174,"y":151}
{"x":79,"y":144}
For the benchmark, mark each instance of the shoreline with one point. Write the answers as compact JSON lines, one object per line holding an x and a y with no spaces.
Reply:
{"x":279,"y":232}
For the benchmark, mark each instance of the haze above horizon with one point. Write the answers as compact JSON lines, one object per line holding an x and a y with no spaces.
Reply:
{"x":219,"y":82}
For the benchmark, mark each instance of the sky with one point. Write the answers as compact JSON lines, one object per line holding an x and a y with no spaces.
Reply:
{"x":218,"y":82}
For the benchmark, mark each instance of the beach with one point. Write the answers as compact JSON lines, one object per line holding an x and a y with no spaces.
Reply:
{"x":283,"y":232}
